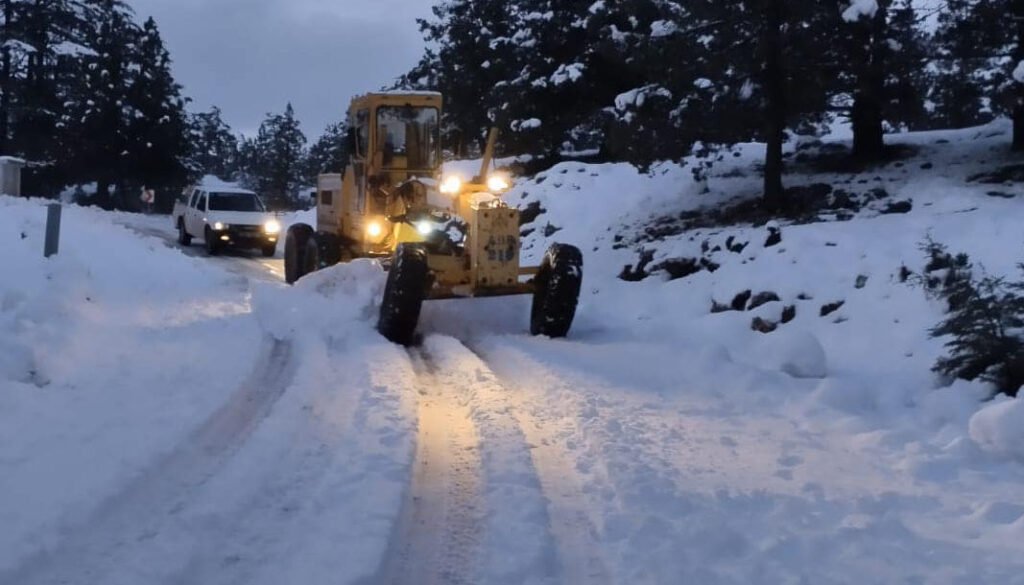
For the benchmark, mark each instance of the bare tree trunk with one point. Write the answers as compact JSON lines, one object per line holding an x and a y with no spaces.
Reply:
{"x":775,"y":110}
{"x":869,"y":104}
{"x":1018,"y":109}
{"x":1018,"y":126}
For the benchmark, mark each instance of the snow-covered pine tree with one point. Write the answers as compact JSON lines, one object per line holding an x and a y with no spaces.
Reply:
{"x":41,"y":54}
{"x":99,"y":111}
{"x":768,"y":72}
{"x":157,"y":130}
{"x":881,"y":61}
{"x":983,"y":41}
{"x":213,"y":146}
{"x":13,"y":55}
{"x":473,"y":51}
{"x":328,"y":154}
{"x":274,"y":160}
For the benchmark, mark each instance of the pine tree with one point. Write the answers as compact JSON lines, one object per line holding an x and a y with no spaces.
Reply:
{"x":214,"y":148}
{"x":274,"y":160}
{"x":983,"y":40}
{"x":328,"y":154}
{"x":99,"y":112}
{"x":473,"y":54}
{"x":765,"y":75}
{"x":882,"y":58}
{"x":40,"y":58}
{"x":12,"y":54}
{"x":157,"y":128}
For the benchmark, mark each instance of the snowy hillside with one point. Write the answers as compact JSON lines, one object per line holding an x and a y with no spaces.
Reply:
{"x":167,"y":418}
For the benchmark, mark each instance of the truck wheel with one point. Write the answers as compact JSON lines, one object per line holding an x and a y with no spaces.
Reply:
{"x":328,"y":248}
{"x":269,"y":250}
{"x":403,"y":295}
{"x":295,"y":252}
{"x":312,"y":258}
{"x":183,"y":238}
{"x":556,"y":291}
{"x":212,"y":245}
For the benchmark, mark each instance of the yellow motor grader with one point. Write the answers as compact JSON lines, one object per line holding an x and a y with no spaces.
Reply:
{"x":442,"y":237}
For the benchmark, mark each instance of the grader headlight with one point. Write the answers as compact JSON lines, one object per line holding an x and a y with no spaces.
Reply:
{"x":451,"y":185}
{"x":498,"y":183}
{"x":374,"y":229}
{"x":424,"y":227}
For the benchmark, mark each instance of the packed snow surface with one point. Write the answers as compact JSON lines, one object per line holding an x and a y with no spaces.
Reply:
{"x":167,"y":417}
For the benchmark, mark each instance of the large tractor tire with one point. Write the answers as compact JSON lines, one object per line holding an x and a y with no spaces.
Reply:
{"x":295,"y":243}
{"x":556,"y":291}
{"x":183,"y":238}
{"x":329,"y":249}
{"x":312,"y":259}
{"x":404,"y":293}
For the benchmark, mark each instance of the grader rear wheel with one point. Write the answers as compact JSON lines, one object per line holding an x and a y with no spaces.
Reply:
{"x":295,"y":252}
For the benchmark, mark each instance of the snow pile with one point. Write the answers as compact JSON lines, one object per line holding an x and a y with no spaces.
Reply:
{"x":338,"y":301}
{"x":822,"y":428}
{"x":529,"y":124}
{"x":1018,"y":72}
{"x":800,"y":355}
{"x":860,"y":8}
{"x":105,"y":360}
{"x":999,"y":428}
{"x":152,"y":425}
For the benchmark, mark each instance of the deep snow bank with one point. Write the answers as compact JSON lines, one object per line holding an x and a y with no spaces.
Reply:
{"x":105,"y":358}
{"x":121,"y":356}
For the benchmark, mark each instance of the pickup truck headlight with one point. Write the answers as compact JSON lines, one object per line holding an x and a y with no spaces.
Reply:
{"x":272,"y":227}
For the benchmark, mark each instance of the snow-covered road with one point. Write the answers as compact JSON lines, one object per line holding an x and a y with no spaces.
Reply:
{"x":168,"y":418}
{"x":247,"y":263}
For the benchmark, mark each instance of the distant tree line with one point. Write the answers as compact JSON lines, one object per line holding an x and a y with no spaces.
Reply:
{"x":88,"y":98}
{"x":647,"y":80}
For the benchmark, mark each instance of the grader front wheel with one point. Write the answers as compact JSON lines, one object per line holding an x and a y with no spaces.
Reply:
{"x":556,"y":291}
{"x":403,"y":295}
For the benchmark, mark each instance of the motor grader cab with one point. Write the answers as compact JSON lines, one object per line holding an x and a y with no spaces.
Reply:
{"x":442,"y":237}
{"x":393,"y":144}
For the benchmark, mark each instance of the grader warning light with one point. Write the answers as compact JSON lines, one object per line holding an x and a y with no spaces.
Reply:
{"x":444,"y":237}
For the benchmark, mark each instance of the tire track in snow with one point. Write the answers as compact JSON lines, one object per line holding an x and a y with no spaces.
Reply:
{"x":517,"y":544}
{"x":88,"y":552}
{"x":574,"y":532}
{"x":241,"y":263}
{"x":440,"y":525}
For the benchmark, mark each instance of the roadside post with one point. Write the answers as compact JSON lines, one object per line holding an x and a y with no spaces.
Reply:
{"x":52,"y":229}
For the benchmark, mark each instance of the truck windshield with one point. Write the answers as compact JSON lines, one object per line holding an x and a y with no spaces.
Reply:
{"x":409,"y":137}
{"x":235,"y":202}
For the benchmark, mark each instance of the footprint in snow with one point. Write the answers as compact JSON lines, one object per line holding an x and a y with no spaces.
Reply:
{"x":790,"y":460}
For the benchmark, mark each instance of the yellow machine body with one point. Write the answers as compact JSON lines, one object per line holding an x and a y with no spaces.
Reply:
{"x":393,"y":137}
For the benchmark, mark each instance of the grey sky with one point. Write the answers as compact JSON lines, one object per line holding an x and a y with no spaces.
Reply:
{"x":251,"y":57}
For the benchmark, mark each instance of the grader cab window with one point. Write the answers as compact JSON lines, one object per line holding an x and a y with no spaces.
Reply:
{"x":408,"y":137}
{"x":359,"y":134}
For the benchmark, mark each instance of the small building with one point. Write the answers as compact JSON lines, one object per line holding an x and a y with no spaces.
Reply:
{"x":10,"y":175}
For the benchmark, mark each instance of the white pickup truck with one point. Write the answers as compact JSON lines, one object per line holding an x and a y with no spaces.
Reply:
{"x":224,"y":215}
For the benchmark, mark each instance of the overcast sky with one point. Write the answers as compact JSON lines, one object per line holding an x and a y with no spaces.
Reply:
{"x":251,"y":57}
